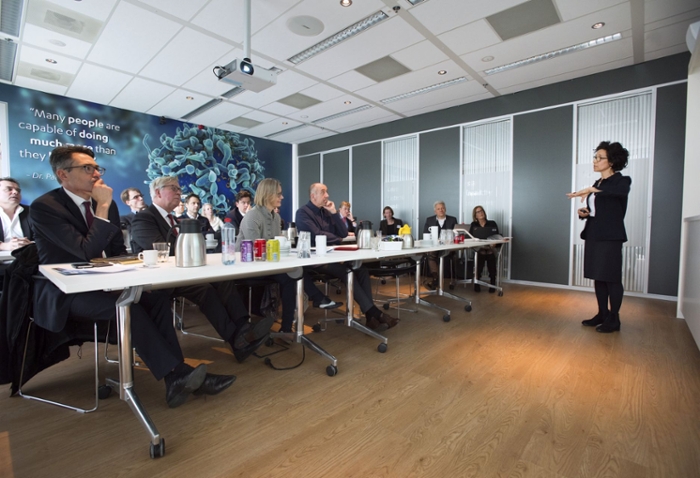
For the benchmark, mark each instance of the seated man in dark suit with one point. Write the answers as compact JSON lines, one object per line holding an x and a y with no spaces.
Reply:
{"x":16,"y":231}
{"x":133,"y":198}
{"x":78,"y":222}
{"x":243,"y":202}
{"x":219,"y":301}
{"x":442,"y":221}
{"x":320,"y":217}
{"x":192,"y":206}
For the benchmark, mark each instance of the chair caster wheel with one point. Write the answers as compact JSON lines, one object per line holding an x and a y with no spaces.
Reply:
{"x":500,"y":293}
{"x":468,"y":308}
{"x":383,"y":281}
{"x":159,"y":449}
{"x":331,"y":370}
{"x":338,"y":291}
{"x":269,"y":342}
{"x":316,"y":328}
{"x":381,"y":348}
{"x":386,"y":306}
{"x":446,"y":318}
{"x":452,"y":287}
{"x":104,"y":391}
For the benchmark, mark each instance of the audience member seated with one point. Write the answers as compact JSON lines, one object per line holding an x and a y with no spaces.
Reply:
{"x":78,"y":222}
{"x":220,"y":302}
{"x":243,"y":201}
{"x":390,"y":225}
{"x":442,"y":221}
{"x":486,"y":253}
{"x":215,"y":221}
{"x":133,"y":198}
{"x":262,"y":222}
{"x":320,"y":217}
{"x":346,"y":216}
{"x":16,"y":231}
{"x":192,"y":205}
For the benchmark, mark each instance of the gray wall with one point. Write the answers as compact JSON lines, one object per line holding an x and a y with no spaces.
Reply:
{"x":667,"y":196}
{"x":542,"y":147}
{"x":309,"y":173}
{"x":367,"y":182}
{"x":541,"y":166}
{"x":336,"y":169}
{"x":439,"y":173}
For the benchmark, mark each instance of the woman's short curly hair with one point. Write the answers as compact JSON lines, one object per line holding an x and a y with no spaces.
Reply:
{"x":617,"y":155}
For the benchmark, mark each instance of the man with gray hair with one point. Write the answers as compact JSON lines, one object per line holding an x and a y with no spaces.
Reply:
{"x":442,"y":221}
{"x":220,"y":302}
{"x":78,"y":222}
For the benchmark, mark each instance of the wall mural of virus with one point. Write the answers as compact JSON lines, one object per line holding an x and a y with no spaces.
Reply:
{"x":209,"y":162}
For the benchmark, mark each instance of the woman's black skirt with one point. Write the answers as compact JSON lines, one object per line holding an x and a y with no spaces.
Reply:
{"x":602,"y":260}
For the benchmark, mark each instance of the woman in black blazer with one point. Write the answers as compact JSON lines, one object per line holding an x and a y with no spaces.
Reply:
{"x":604,"y":233}
{"x":390,"y":225}
{"x":486,"y":253}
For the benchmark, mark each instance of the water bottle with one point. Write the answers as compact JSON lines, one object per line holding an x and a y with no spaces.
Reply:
{"x":228,"y":243}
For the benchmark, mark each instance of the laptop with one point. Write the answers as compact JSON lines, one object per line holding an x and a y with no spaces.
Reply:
{"x":484,"y":232}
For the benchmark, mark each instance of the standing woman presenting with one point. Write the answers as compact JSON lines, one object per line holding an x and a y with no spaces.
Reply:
{"x":604,"y":233}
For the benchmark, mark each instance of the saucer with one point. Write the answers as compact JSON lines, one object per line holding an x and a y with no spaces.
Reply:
{"x":146,"y":266}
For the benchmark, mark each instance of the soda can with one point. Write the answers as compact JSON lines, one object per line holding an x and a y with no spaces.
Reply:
{"x":246,"y":251}
{"x":273,"y":250}
{"x":259,"y":249}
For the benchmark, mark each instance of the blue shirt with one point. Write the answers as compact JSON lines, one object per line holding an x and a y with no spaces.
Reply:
{"x":321,"y":221}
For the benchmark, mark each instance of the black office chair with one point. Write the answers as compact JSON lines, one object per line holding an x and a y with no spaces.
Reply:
{"x":395,"y":269}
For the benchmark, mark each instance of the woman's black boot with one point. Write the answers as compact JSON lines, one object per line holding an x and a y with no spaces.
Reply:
{"x":597,"y":320}
{"x":611,"y":324}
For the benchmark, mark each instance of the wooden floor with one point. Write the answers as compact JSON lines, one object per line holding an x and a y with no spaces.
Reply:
{"x":515,"y":388}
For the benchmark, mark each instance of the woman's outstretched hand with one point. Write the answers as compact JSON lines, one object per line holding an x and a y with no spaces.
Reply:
{"x":583,"y":193}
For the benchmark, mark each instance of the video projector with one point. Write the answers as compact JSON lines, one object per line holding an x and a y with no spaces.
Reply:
{"x":244,"y":74}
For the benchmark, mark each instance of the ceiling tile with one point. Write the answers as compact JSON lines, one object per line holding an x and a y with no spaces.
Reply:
{"x":472,"y":37}
{"x":34,"y":84}
{"x":184,"y":9}
{"x":141,"y":95}
{"x":99,"y":10}
{"x":184,"y":57}
{"x":176,"y":104}
{"x":443,"y":15}
{"x":148,"y":34}
{"x":52,"y":41}
{"x":97,"y":84}
{"x":39,"y":57}
{"x":221,"y":113}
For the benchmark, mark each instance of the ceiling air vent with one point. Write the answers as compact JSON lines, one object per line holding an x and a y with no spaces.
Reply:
{"x":10,"y":16}
{"x":45,"y":75}
{"x":8,"y":52}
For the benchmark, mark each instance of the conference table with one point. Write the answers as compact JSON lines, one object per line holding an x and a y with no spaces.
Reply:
{"x":135,"y":281}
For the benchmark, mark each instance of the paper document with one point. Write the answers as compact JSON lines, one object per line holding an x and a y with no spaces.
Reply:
{"x":113,"y":269}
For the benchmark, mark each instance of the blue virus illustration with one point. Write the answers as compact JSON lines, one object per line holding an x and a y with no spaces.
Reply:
{"x":209,"y":162}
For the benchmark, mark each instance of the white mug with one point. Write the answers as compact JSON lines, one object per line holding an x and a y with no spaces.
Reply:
{"x":320,"y":245}
{"x":209,"y":237}
{"x":149,"y":258}
{"x":427,"y":238}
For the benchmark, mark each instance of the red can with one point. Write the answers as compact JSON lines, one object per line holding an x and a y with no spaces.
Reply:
{"x":259,"y":248}
{"x":459,"y":238}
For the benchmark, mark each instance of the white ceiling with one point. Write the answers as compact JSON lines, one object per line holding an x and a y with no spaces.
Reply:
{"x":157,"y":56}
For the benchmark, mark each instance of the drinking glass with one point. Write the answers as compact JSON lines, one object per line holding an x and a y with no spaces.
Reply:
{"x":163,"y":249}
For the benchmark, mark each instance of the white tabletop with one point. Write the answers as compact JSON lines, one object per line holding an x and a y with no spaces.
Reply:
{"x":166,"y":275}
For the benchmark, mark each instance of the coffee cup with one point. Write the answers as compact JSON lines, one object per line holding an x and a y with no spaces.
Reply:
{"x":284,"y":242}
{"x":209,"y":237}
{"x":149,"y":258}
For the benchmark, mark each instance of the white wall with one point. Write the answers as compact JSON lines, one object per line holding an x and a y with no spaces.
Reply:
{"x":689,"y":291}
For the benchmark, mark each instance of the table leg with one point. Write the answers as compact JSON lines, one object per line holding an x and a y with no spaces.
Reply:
{"x":442,"y":292}
{"x":350,"y":319}
{"x":126,"y":373}
{"x":419,"y":294}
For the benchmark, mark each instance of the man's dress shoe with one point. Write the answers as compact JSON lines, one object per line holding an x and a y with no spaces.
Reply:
{"x":243,"y":353}
{"x":214,"y":384}
{"x":180,"y":386}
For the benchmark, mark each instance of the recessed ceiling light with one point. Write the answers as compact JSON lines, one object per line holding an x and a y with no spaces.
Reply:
{"x":345,"y":3}
{"x":339,"y":37}
{"x":189,"y":98}
{"x":487,"y":58}
{"x":51,"y":60}
{"x":554,"y":54}
{"x":284,"y":122}
{"x":598,"y":25}
{"x":57,"y":42}
{"x":442,"y":72}
{"x":347,"y":102}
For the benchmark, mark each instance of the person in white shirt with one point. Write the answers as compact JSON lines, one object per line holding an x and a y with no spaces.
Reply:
{"x":16,"y":231}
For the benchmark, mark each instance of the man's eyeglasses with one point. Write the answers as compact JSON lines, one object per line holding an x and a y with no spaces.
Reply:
{"x":174,"y":187}
{"x":89,"y":168}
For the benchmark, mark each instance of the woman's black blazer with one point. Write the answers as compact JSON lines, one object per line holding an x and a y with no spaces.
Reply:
{"x":608,"y":224}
